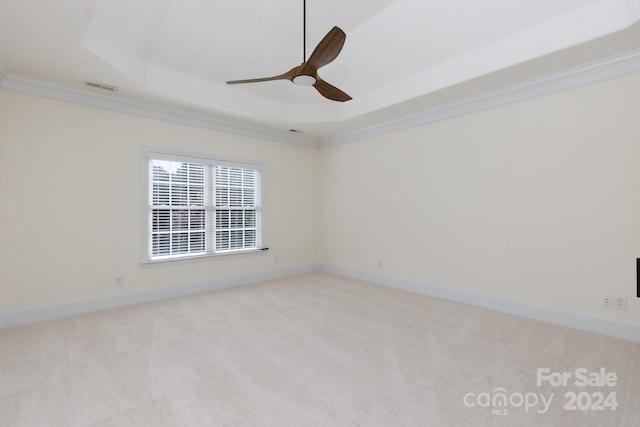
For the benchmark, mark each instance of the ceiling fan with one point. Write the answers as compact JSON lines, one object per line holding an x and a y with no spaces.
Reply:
{"x":306,"y":74}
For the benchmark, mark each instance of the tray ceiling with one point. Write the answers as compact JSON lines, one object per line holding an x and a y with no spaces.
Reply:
{"x":400,"y":56}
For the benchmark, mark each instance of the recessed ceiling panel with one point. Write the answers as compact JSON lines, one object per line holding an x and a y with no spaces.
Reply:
{"x":181,"y":52}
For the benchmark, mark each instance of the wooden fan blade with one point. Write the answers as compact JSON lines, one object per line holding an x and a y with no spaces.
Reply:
{"x":330,"y":92}
{"x":327,"y":50}
{"x":289,"y":75}
{"x":263,"y":79}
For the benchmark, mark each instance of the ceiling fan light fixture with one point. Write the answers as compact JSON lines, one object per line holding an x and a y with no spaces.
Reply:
{"x":304,"y":80}
{"x":306,"y":74}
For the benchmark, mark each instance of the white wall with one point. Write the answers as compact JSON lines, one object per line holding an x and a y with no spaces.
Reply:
{"x":70,"y":202}
{"x":536,"y":202}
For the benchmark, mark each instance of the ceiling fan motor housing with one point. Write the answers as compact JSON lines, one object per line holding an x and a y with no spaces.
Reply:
{"x":304,"y":80}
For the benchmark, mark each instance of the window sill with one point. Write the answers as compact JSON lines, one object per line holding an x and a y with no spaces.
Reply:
{"x":198,"y":258}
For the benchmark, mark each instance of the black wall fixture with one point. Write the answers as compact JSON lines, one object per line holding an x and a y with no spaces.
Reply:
{"x":638,"y":276}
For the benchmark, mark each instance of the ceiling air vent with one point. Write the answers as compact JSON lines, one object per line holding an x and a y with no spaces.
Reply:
{"x":101,"y":86}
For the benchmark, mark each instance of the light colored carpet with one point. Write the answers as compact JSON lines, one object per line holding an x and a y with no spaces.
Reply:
{"x":304,"y":351}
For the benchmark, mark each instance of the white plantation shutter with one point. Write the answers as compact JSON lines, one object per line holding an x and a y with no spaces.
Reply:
{"x":201,"y":207}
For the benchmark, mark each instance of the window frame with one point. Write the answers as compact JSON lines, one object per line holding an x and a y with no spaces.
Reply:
{"x":149,"y":153}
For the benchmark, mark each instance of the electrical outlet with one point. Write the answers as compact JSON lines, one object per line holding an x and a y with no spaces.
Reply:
{"x":620,"y":302}
{"x":606,"y":300}
{"x":119,"y":281}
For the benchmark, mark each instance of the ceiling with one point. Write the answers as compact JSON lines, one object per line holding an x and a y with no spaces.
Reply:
{"x":401,"y":57}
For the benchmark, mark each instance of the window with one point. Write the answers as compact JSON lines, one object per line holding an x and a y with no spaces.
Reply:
{"x":199,"y":206}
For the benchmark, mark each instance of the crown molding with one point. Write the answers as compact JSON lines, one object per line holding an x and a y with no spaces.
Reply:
{"x":590,"y":73}
{"x":68,"y":93}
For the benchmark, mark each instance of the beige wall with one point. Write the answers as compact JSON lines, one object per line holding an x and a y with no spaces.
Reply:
{"x":537,"y":201}
{"x":70,"y":202}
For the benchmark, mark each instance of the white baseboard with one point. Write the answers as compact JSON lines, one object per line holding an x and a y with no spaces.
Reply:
{"x":72,"y":308}
{"x":612,"y":327}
